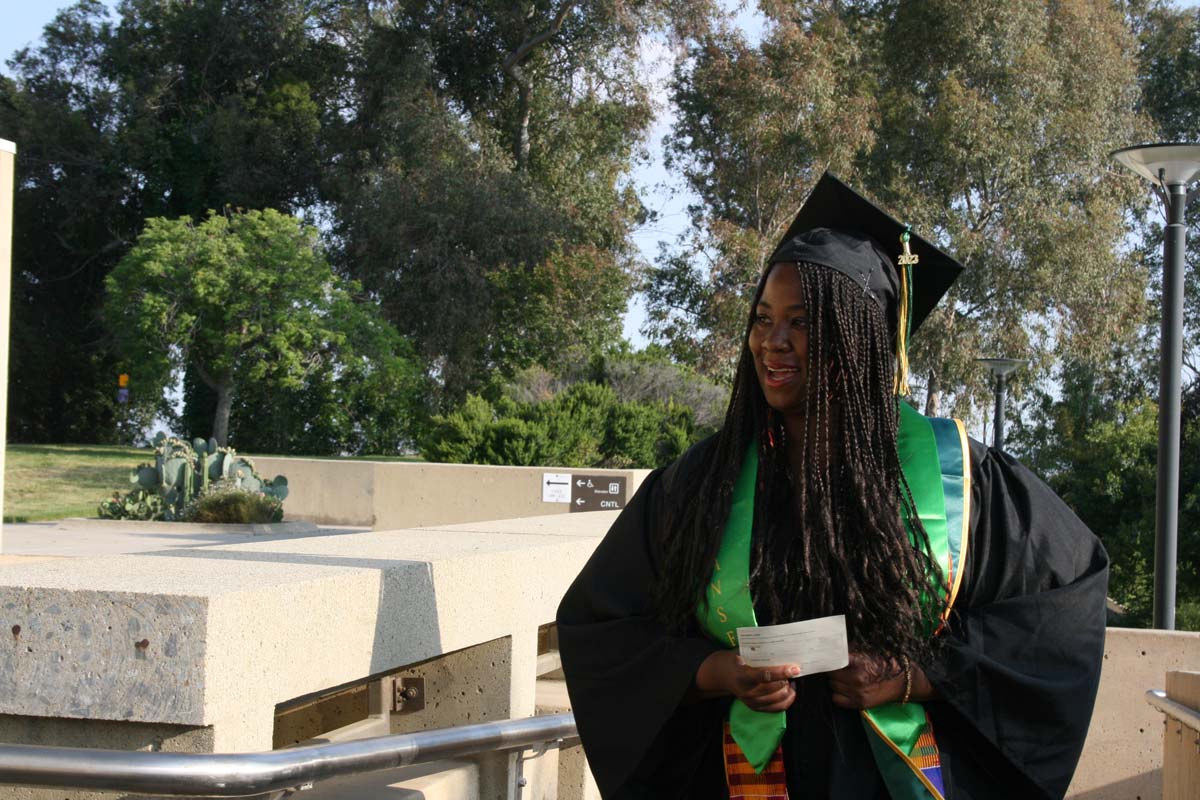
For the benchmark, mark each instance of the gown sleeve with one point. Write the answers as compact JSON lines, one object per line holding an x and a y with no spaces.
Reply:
{"x":626,"y":674}
{"x":1021,"y":660}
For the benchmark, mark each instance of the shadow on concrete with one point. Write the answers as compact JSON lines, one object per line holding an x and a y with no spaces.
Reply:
{"x":1147,"y":786}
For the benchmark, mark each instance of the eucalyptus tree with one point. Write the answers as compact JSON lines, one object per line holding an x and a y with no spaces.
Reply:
{"x":485,"y":198}
{"x":986,"y":124}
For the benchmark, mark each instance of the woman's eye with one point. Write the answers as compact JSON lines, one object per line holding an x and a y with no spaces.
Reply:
{"x":762,"y":319}
{"x":800,"y":322}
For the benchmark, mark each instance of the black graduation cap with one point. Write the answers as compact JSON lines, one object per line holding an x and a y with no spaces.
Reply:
{"x":839,"y":228}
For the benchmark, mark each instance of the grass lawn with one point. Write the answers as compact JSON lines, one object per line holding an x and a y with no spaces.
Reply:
{"x":52,"y":481}
{"x":47,"y":481}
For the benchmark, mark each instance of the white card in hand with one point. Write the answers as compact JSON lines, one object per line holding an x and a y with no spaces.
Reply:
{"x":815,"y":645}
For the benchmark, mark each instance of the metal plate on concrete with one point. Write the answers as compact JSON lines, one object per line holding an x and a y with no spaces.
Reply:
{"x":597,"y":492}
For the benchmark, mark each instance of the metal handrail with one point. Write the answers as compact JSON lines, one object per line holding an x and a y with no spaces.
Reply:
{"x":1177,"y":711}
{"x":250,"y":774}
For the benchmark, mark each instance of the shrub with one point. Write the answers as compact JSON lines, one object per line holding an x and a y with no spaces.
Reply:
{"x":225,"y":502}
{"x":585,"y":425}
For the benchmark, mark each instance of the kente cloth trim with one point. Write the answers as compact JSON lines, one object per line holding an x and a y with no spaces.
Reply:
{"x":746,"y":784}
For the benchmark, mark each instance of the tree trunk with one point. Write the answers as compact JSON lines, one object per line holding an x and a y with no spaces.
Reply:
{"x":221,"y":418}
{"x":224,"y":390}
{"x":933,"y":398}
{"x":521,"y":145}
{"x":512,"y":68}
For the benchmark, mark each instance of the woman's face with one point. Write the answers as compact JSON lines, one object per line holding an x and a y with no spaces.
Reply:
{"x":779,"y":340}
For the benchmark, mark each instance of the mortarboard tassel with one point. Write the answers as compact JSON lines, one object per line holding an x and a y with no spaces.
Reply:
{"x":904,"y":320}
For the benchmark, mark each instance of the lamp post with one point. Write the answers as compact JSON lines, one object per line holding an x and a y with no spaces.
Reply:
{"x":1169,"y":168}
{"x":1000,"y":367}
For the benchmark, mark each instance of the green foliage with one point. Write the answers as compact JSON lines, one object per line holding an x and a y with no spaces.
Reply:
{"x":170,"y":109}
{"x":227,"y":502}
{"x":585,"y":425}
{"x":485,"y":202}
{"x":1099,"y":450}
{"x":247,"y":303}
{"x":137,"y":504}
{"x":987,"y":125}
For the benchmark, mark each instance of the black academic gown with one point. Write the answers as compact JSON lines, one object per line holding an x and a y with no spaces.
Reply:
{"x":1016,"y":676}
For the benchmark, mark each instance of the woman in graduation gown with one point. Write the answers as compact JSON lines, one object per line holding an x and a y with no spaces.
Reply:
{"x":974,"y":599}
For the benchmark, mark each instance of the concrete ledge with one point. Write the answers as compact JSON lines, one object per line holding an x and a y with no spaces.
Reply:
{"x":217,"y":636}
{"x":387,"y":495}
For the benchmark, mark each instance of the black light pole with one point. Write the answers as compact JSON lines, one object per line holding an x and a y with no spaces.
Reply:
{"x":1170,"y":168}
{"x":1000,"y":367}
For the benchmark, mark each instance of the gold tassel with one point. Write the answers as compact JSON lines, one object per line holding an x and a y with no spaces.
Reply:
{"x":905,"y":263}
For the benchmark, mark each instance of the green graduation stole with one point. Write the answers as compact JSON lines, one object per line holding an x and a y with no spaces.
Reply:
{"x":934,"y":459}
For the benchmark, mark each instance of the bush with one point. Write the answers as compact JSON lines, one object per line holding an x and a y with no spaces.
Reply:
{"x":227,"y":503}
{"x":585,"y":425}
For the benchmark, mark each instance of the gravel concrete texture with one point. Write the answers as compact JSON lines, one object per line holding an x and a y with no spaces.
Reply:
{"x":1122,"y":758}
{"x":393,"y":495}
{"x":218,"y":635}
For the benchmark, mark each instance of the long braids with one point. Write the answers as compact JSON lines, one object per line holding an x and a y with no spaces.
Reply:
{"x":832,"y":539}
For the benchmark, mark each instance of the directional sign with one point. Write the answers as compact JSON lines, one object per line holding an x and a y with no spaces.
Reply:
{"x":556,"y":487}
{"x":597,"y":492}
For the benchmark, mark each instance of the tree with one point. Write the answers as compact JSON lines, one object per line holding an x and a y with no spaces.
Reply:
{"x":484,"y":199}
{"x":246,"y":299}
{"x":171,"y":109}
{"x":987,"y":125}
{"x":756,"y":128}
{"x":74,"y":214}
{"x":1169,"y":66}
{"x":1096,"y":445}
{"x":996,"y":137}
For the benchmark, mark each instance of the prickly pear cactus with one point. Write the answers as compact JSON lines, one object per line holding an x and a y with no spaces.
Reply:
{"x":182,"y":472}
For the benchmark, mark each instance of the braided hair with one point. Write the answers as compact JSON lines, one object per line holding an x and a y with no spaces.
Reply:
{"x":831,"y":539}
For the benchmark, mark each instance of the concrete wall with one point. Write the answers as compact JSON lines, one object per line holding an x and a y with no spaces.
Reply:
{"x":193,"y":649}
{"x":392,"y":495}
{"x":8,"y":157}
{"x":1123,"y":756}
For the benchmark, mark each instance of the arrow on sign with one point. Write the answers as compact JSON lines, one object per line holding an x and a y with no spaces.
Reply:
{"x":579,"y":501}
{"x":558,"y":483}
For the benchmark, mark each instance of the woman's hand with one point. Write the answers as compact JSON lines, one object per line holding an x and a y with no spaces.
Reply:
{"x":761,"y":688}
{"x":869,"y":681}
